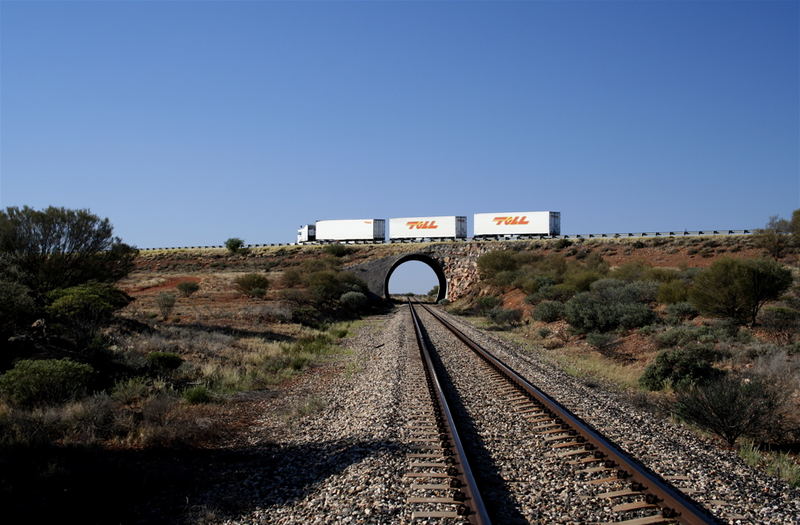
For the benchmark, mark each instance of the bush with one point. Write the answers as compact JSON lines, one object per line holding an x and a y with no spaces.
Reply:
{"x":501,"y":316}
{"x":197,"y":394}
{"x":548,"y":311}
{"x":634,"y":315}
{"x":187,"y":288}
{"x":737,"y":289}
{"x":163,"y":362}
{"x":684,"y":335}
{"x":16,"y":308}
{"x":291,"y":278}
{"x":61,"y":248}
{"x":562,"y":243}
{"x":680,"y":367}
{"x":673,"y":292}
{"x":46,"y":381}
{"x":492,"y":263}
{"x":582,"y":280}
{"x":729,"y":406}
{"x":252,"y":284}
{"x":683,"y":310}
{"x":234,"y":245}
{"x":444,"y":302}
{"x":599,"y":340}
{"x":165,"y":302}
{"x":306,"y":316}
{"x":487,"y":303}
{"x":782,"y":322}
{"x":354,"y":301}
{"x":86,"y":307}
{"x":588,"y":312}
{"x":337,"y":250}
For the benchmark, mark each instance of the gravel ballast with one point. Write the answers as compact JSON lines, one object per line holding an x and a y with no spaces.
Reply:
{"x":716,"y":477}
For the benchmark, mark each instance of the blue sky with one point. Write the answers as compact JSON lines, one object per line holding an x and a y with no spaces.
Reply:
{"x":190,"y":122}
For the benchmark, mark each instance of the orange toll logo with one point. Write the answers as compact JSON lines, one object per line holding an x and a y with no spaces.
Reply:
{"x":422,"y":225}
{"x":519,"y":219}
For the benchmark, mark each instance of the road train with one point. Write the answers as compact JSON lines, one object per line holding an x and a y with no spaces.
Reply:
{"x":506,"y":225}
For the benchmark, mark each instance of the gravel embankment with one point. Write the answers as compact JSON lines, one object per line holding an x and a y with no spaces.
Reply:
{"x":718,"y":478}
{"x":344,"y":462}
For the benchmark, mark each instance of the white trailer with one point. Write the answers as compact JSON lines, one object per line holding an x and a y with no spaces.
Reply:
{"x":351,"y":230}
{"x":517,"y":224}
{"x":307,"y":233}
{"x":446,"y":227}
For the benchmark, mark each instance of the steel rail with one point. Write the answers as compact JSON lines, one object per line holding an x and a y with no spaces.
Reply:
{"x":674,"y":504}
{"x":479,"y":514}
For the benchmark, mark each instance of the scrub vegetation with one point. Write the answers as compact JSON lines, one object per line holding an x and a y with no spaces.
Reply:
{"x":716,"y":347}
{"x":86,"y":366}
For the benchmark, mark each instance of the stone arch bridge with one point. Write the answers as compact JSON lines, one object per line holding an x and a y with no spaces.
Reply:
{"x":455,"y":265}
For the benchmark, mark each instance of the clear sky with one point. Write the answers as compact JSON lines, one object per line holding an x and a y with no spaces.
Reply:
{"x":190,"y":122}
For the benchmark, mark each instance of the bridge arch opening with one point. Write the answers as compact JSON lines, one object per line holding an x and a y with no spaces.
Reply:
{"x":430,"y":262}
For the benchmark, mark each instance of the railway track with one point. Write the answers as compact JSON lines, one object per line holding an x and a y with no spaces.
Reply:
{"x":633,"y":494}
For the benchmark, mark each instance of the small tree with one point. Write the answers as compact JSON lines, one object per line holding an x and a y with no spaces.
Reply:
{"x":187,"y":288}
{"x":774,"y":238}
{"x":85,"y":308}
{"x":738,"y":288}
{"x":165,"y":302}
{"x":434,"y":292}
{"x":234,"y":245}
{"x":57,"y":247}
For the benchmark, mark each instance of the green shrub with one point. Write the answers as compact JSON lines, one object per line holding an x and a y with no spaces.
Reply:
{"x":165,"y":302}
{"x":631,"y":271}
{"x":130,"y":390}
{"x":307,"y":316}
{"x":588,"y":312}
{"x":17,"y":308}
{"x":45,"y":381}
{"x":337,"y":250}
{"x":600,"y":340}
{"x":87,"y":307}
{"x":252,"y":284}
{"x":634,"y":315}
{"x":684,"y":335}
{"x":672,"y":292}
{"x":580,"y":281}
{"x":187,"y":288}
{"x":503,"y":317}
{"x":291,"y":278}
{"x":197,"y":394}
{"x":444,"y":302}
{"x":234,"y":245}
{"x":548,"y":311}
{"x":562,"y":243}
{"x":729,"y":406}
{"x":484,"y":304}
{"x":737,"y":288}
{"x":492,"y":263}
{"x":782,"y":322}
{"x":683,"y":310}
{"x":680,"y":367}
{"x":163,"y":362}
{"x":61,"y":248}
{"x":354,"y":301}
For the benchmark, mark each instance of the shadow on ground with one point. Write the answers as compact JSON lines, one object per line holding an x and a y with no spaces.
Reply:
{"x":87,"y":486}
